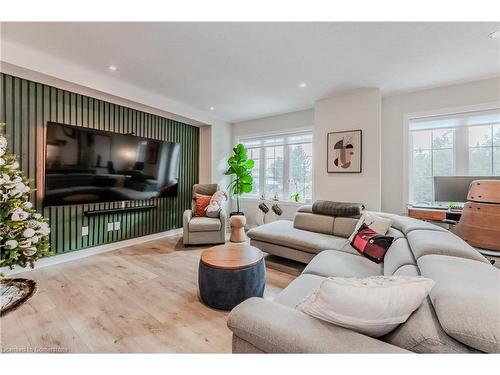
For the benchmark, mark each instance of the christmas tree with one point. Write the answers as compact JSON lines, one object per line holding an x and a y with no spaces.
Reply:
{"x":24,"y":233}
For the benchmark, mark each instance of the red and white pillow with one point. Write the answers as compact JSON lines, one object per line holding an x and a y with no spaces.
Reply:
{"x":376,"y":223}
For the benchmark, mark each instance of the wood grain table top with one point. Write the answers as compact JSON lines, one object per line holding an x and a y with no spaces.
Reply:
{"x":232,"y":256}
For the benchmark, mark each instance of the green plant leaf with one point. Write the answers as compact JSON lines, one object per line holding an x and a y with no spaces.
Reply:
{"x":230,"y":171}
{"x":249,"y":164}
{"x":246,"y":188}
{"x":240,"y":171}
{"x":240,"y":166}
{"x":232,"y":160}
{"x":241,"y":151}
{"x":246,"y":179}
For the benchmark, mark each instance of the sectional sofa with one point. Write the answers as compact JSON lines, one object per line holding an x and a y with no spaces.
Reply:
{"x":461,"y":314}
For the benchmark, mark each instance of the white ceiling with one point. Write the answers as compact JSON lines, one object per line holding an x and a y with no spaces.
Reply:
{"x":251,"y":70}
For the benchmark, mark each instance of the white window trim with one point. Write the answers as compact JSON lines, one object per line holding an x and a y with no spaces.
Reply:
{"x":407,"y":137}
{"x":277,"y":133}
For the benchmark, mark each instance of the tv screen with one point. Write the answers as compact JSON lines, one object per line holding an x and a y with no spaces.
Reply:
{"x":90,"y":166}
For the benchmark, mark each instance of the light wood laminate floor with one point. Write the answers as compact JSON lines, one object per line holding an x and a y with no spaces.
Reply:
{"x":138,"y":299}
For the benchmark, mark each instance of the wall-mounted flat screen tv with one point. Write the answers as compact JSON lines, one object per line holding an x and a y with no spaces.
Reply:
{"x":84,"y":165}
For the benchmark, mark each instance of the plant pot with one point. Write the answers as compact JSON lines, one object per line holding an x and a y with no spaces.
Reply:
{"x":234,"y":213}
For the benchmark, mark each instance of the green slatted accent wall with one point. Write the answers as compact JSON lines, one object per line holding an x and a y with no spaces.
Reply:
{"x":26,"y":106}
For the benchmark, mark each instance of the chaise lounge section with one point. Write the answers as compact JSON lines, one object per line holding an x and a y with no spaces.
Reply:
{"x":447,"y":322}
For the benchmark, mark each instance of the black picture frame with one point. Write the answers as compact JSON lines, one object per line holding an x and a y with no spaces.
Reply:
{"x":328,"y":164}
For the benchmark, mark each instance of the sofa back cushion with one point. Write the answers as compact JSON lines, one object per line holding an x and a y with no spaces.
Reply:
{"x":428,"y":242}
{"x":466,"y":299}
{"x":313,"y":223}
{"x":336,"y":226}
{"x":422,"y":332}
{"x":398,"y":255}
{"x":344,"y":226}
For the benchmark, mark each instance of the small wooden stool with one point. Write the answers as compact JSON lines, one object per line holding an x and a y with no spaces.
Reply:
{"x":237,"y":223}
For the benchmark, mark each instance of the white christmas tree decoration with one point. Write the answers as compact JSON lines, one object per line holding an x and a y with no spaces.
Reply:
{"x":24,"y":233}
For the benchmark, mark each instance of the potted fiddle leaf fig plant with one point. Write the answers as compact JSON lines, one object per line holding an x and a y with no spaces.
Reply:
{"x":240,"y":170}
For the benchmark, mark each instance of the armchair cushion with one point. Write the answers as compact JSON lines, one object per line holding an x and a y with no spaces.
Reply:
{"x":204,"y":224}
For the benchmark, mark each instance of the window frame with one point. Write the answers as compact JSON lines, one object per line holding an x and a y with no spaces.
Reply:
{"x":408,"y":147}
{"x":286,"y":161}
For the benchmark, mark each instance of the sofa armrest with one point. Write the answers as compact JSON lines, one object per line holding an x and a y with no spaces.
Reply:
{"x":275,"y":328}
{"x":223,"y":223}
{"x":186,"y":218}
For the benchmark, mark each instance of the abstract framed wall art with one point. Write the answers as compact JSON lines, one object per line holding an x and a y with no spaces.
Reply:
{"x":344,"y":151}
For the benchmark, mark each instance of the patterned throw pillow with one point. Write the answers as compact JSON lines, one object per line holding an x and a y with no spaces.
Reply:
{"x":371,"y":244}
{"x":376,"y":223}
{"x":202,"y":201}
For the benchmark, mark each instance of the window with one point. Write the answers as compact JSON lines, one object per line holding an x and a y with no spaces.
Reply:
{"x":460,"y":144}
{"x":484,"y":150}
{"x":283,"y":165}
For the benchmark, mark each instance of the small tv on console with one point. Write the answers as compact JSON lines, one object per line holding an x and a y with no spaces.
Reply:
{"x":84,"y":165}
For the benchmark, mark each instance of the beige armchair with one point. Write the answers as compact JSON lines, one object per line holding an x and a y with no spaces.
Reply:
{"x":203,"y":230}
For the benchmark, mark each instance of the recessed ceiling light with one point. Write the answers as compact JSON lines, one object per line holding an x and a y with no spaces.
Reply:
{"x":113,"y":68}
{"x":494,"y":35}
{"x":302,"y":85}
{"x":212,"y":108}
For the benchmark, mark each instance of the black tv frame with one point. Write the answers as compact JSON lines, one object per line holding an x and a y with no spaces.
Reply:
{"x":93,"y":212}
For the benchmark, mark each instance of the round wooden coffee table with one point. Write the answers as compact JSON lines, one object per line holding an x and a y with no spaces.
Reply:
{"x":231,"y":273}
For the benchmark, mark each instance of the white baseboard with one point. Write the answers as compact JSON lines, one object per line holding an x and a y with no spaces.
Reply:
{"x":78,"y":254}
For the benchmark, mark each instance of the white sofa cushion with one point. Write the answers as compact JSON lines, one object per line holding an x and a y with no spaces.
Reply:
{"x":283,"y":233}
{"x":330,"y":263}
{"x":373,"y":306}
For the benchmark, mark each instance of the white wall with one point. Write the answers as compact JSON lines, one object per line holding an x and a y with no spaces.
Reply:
{"x":280,"y":123}
{"x":394,"y":110}
{"x":358,"y":109}
{"x":222,"y":145}
{"x":215,"y":147}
